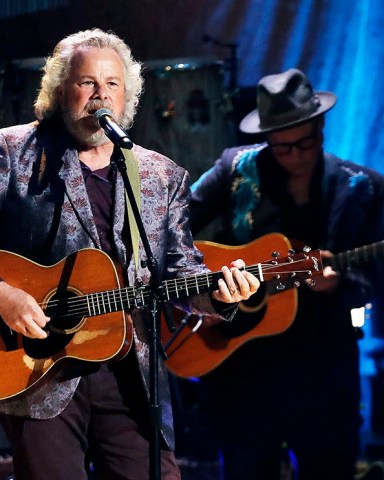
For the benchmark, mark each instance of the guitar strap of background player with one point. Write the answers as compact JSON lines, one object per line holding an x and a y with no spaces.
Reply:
{"x":134,"y":179}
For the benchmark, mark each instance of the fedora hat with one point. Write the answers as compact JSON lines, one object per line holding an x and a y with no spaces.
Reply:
{"x":284,"y":100}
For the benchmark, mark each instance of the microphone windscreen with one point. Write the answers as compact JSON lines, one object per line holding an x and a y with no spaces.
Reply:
{"x":101,"y":113}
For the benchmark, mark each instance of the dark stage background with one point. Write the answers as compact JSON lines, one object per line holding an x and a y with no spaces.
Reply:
{"x":202,"y":60}
{"x":338,"y":43}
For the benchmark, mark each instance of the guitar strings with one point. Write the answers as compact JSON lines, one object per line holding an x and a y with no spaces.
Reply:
{"x":129,"y":297}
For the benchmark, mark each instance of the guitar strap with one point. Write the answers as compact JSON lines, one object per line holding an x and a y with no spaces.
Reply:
{"x":134,"y":179}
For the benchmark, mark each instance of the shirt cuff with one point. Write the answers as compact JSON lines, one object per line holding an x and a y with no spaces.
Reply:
{"x":225,"y":310}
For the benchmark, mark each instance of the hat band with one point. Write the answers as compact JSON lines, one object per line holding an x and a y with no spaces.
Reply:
{"x":294,"y":115}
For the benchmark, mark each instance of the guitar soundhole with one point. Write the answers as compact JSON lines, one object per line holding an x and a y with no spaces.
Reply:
{"x":61,"y":328}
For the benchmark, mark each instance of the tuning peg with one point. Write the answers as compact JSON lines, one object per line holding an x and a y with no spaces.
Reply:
{"x":291,"y":251}
{"x":312,"y":282}
{"x":275,"y":254}
{"x":307,"y":249}
{"x":296,"y":284}
{"x":280,"y":287}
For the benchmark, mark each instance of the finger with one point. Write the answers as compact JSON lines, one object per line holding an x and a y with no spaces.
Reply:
{"x":253,"y":281}
{"x":247,"y":284}
{"x":239,"y":263}
{"x":229,"y":279}
{"x":223,"y":293}
{"x":326,"y":253}
{"x":34,"y":331}
{"x":239,"y":277}
{"x":40,"y":319}
{"x":38,"y":314}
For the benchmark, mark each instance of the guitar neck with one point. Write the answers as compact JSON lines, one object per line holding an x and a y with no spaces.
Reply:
{"x":127,"y":298}
{"x":353,"y":258}
{"x":294,"y":267}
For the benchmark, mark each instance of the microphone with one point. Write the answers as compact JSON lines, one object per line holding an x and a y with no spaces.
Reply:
{"x":114,"y":132}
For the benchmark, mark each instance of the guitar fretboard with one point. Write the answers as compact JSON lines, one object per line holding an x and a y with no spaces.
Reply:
{"x":127,"y":298}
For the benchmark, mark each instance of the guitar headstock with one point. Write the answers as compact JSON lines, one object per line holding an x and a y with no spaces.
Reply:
{"x":289,"y":271}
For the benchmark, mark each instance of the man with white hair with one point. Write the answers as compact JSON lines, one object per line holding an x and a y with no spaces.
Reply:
{"x":59,"y":193}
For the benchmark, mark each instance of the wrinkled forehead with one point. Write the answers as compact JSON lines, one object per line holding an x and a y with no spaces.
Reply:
{"x":92,"y":59}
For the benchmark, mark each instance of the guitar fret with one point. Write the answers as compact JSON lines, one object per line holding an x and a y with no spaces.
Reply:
{"x":92,"y":305}
{"x":124,"y":298}
{"x":132,"y":299}
{"x":128,"y":301}
{"x":88,"y":306}
{"x":260,"y":270}
{"x":208,"y":283}
{"x":142,"y":297}
{"x":102,"y":302}
{"x":98,"y":302}
{"x":197,"y":284}
{"x":187,"y":286}
{"x":114,"y":299}
{"x":109,"y":304}
{"x":176,"y":289}
{"x":166,"y":289}
{"x":121,"y":299}
{"x":139,"y":298}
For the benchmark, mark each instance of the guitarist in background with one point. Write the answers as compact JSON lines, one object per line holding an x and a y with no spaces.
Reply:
{"x":299,"y":388}
{"x":59,"y":192}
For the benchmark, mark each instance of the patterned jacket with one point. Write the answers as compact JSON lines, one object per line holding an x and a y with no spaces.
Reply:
{"x":45,"y":215}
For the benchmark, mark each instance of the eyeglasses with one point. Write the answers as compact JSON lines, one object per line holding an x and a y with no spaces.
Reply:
{"x":303,"y":144}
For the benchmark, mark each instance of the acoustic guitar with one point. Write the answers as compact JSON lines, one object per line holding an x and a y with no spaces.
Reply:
{"x":196,"y":349}
{"x":82,"y":296}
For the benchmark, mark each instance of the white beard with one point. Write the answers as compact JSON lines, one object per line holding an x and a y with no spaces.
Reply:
{"x":83,"y":128}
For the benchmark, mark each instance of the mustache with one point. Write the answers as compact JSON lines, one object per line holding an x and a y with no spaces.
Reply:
{"x":94,"y":105}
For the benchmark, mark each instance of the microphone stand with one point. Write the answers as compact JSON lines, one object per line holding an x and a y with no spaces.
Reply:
{"x":157,"y":297}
